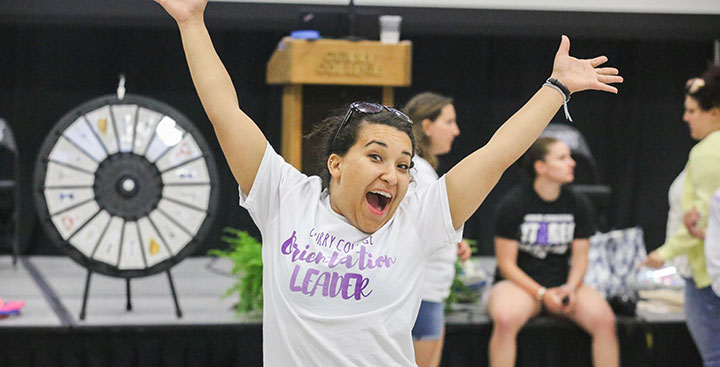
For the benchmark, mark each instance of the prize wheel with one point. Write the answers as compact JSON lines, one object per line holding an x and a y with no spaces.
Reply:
{"x":126,"y":188}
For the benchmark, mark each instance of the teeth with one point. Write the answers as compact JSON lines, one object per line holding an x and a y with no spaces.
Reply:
{"x":382,"y":193}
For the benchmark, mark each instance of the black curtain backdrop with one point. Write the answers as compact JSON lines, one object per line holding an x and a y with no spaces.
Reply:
{"x":542,"y":342}
{"x":637,"y":137}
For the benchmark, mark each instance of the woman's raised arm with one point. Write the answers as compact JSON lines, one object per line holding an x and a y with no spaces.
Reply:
{"x":470,"y":181}
{"x":241,"y":140}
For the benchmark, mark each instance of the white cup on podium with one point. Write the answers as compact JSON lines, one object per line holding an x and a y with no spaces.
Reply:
{"x":390,"y":28}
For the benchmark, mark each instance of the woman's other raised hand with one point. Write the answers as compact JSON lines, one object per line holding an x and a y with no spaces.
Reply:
{"x":184,"y":10}
{"x":583,"y":74}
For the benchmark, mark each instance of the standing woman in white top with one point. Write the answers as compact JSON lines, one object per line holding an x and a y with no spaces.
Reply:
{"x":435,"y":129}
{"x":343,"y":261}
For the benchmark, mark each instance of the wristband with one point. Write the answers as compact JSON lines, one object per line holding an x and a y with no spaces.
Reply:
{"x":541,"y":293}
{"x":563,"y":90}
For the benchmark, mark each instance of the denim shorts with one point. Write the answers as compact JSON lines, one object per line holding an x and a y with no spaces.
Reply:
{"x":430,"y":321}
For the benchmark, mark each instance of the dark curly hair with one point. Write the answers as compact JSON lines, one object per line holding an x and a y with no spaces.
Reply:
{"x":347,"y":137}
{"x":705,"y":89}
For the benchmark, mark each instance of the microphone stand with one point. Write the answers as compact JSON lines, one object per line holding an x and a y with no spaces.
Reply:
{"x":351,"y":27}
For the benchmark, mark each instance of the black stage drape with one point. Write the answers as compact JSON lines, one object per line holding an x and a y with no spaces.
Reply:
{"x":547,"y":341}
{"x":136,"y":346}
{"x":543,"y":342}
{"x":637,"y":137}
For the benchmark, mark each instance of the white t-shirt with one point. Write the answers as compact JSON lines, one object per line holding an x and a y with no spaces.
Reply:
{"x":335,"y":296}
{"x":712,"y":242}
{"x":440,"y":270}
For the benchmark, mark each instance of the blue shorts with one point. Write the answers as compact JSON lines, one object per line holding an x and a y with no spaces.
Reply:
{"x":430,"y":321}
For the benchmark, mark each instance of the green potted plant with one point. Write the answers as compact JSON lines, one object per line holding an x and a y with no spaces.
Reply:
{"x":246,"y":254}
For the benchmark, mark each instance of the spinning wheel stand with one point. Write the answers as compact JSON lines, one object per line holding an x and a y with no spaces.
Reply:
{"x":128,"y":304}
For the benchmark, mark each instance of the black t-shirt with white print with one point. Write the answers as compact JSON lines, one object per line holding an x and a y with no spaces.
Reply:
{"x":544,"y":230}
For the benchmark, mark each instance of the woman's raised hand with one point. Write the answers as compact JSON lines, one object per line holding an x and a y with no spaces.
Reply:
{"x":583,"y":74}
{"x":184,"y":10}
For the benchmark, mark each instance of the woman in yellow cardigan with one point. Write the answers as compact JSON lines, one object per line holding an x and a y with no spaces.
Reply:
{"x":702,"y":304}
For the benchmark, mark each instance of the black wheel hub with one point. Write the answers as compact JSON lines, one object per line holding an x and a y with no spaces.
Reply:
{"x":128,"y":185}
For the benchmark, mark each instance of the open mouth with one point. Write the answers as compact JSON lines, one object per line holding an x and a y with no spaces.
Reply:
{"x":378,"y":201}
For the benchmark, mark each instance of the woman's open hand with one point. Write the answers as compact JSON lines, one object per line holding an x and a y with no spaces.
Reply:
{"x":654,"y":260}
{"x":464,"y":251}
{"x":583,"y":74}
{"x":184,"y":10}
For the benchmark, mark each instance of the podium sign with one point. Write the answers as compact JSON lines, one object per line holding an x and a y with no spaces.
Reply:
{"x":299,"y":61}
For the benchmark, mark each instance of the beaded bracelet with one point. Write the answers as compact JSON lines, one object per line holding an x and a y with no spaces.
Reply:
{"x":562,"y":89}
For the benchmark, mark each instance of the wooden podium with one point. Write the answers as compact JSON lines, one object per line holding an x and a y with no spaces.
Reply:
{"x":332,"y":62}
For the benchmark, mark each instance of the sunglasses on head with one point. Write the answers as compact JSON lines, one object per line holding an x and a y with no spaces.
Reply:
{"x":368,"y":108}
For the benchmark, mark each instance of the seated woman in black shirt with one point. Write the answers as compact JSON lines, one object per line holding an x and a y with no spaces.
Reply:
{"x":541,"y":244}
